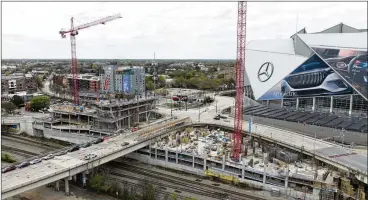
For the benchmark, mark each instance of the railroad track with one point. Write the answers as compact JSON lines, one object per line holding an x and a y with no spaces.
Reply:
{"x":178,"y":180}
{"x":161,"y":191}
{"x":52,"y":145}
{"x":20,"y":152}
{"x":30,"y":143}
{"x":176,"y":187}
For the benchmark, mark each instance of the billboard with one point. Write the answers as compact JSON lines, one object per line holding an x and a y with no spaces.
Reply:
{"x":312,"y":78}
{"x":126,"y":83}
{"x":350,"y":64}
{"x":265,"y":69}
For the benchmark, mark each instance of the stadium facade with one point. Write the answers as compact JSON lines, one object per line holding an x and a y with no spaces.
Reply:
{"x":324,"y":71}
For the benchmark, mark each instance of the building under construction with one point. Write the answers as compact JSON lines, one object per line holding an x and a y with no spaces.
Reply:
{"x":102,"y":118}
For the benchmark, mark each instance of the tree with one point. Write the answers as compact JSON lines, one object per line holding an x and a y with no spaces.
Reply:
{"x":40,"y":102}
{"x":8,"y":106}
{"x":6,"y":73}
{"x":17,"y":100}
{"x":38,"y":82}
{"x":97,"y":182}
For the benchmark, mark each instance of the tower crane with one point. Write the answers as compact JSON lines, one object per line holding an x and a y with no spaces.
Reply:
{"x":240,"y":67}
{"x":73,"y":31}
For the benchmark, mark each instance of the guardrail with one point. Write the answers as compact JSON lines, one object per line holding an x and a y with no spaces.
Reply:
{"x":101,"y":157}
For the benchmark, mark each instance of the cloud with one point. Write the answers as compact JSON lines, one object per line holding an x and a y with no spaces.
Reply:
{"x":171,"y":29}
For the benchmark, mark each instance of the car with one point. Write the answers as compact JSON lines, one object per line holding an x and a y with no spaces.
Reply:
{"x":313,"y":79}
{"x":75,"y":148}
{"x":125,"y":144}
{"x":23,"y":164}
{"x":222,"y":117}
{"x":358,"y":70}
{"x":8,"y":169}
{"x":60,"y":153}
{"x":90,"y":156}
{"x":99,"y":140}
{"x":226,"y":120}
{"x":48,"y":157}
{"x":85,"y":145}
{"x":217,"y":118}
{"x":35,"y":161}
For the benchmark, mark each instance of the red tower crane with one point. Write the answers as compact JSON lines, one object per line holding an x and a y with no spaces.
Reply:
{"x":73,"y":32}
{"x":240,"y":62}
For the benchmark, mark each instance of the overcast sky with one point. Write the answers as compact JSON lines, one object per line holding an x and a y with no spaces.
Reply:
{"x":197,"y":30}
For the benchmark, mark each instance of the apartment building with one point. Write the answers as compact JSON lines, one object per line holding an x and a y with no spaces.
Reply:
{"x":128,"y":80}
{"x":17,"y":83}
{"x":86,"y":82}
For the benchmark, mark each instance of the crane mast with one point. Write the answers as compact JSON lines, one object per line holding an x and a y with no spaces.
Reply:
{"x":73,"y":31}
{"x":240,"y":68}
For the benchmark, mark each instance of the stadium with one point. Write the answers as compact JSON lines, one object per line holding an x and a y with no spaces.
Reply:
{"x":312,"y":82}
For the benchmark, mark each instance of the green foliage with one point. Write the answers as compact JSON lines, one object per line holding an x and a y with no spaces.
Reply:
{"x":190,"y":198}
{"x":173,"y":196}
{"x":189,"y":129}
{"x":97,"y":182}
{"x":38,"y":81}
{"x":7,"y":158}
{"x":17,"y":100}
{"x":149,"y":192}
{"x":6,"y":73}
{"x":40,"y":102}
{"x":8,"y":106}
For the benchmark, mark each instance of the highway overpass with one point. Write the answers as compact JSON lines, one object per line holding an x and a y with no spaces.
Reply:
{"x":68,"y":166}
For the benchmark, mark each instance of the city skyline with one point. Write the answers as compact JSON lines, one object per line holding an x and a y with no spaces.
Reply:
{"x":174,"y":30}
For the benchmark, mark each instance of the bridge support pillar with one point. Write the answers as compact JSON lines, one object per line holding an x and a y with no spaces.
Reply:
{"x":204,"y":163}
{"x":314,"y":104}
{"x":176,"y":156}
{"x":75,"y":178}
{"x":84,"y":179}
{"x":66,"y":186}
{"x":57,"y":186}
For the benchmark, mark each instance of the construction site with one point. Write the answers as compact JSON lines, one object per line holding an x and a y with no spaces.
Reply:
{"x":262,"y":164}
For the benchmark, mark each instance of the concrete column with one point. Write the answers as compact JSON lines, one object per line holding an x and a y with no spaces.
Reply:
{"x":129,"y":119}
{"x":297,"y":103}
{"x":204,"y":163}
{"x":156,"y":152}
{"x":314,"y":104}
{"x":282,"y":102}
{"x":268,"y":103}
{"x":286,"y":181}
{"x":75,"y":178}
{"x":84,"y":179}
{"x":57,"y":186}
{"x":166,"y":155}
{"x":243,"y":169}
{"x":331,"y":104}
{"x":69,"y":124}
{"x":351,"y":105}
{"x":193,"y":160}
{"x":264,"y":169}
{"x":147,"y":117}
{"x":177,"y":157}
{"x":66,"y":186}
{"x":223,"y":162}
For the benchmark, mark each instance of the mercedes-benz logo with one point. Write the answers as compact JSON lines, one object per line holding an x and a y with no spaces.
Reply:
{"x":265,"y":72}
